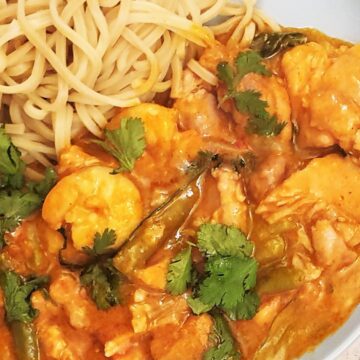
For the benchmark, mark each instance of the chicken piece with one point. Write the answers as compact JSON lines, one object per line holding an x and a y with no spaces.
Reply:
{"x":311,"y":190}
{"x":65,"y":290}
{"x":324,"y":90}
{"x":187,"y":343}
{"x":329,"y":300}
{"x":310,"y":198}
{"x":233,"y":204}
{"x":267,"y":175}
{"x":151,"y":310}
{"x":199,"y":111}
{"x":58,"y":339}
{"x":91,"y":200}
{"x":327,"y":242}
{"x":166,"y":148}
{"x":250,"y":334}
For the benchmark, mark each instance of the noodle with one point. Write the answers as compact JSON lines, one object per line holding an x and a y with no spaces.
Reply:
{"x":65,"y":65}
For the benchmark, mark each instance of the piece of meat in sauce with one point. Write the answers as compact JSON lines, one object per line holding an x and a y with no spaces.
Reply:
{"x":324,"y":87}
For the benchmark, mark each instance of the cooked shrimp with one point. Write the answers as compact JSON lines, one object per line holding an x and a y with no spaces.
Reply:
{"x":91,"y":200}
{"x":325,"y":94}
{"x":74,"y":158}
{"x":166,"y":147}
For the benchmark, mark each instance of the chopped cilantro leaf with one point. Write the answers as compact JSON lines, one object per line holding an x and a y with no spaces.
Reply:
{"x":17,"y":204}
{"x":197,"y":306}
{"x":103,"y":282}
{"x":126,"y":144}
{"x":179,"y":273}
{"x":250,"y":62}
{"x":268,"y":126}
{"x":226,"y":74}
{"x":224,"y":347}
{"x":100,"y":276}
{"x":260,"y":122}
{"x":230,"y":273}
{"x":249,"y":102}
{"x":102,"y":243}
{"x":217,"y":239}
{"x":43,"y":187}
{"x":11,"y":166}
{"x":17,"y":294}
{"x":228,"y":280}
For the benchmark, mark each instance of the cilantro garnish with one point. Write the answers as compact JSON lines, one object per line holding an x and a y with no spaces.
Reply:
{"x":228,"y":281}
{"x":250,"y":62}
{"x":249,"y":102}
{"x":103,"y":282}
{"x":11,"y":166}
{"x":17,"y":294}
{"x":217,"y":239}
{"x":179,"y":274}
{"x":100,"y":277}
{"x":229,"y":278}
{"x":126,"y":144}
{"x":18,"y":198}
{"x":223,"y":344}
{"x":102,"y":243}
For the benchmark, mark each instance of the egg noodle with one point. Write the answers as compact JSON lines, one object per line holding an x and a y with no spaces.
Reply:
{"x":66,"y":65}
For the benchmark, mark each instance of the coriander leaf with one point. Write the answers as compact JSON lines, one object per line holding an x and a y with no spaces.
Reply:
{"x":260,"y":121}
{"x":226,"y":74}
{"x":228,"y":279}
{"x":248,"y":307}
{"x":11,"y":166}
{"x":44,"y":186}
{"x":224,"y":347}
{"x":268,"y":126}
{"x":197,"y":306}
{"x":18,"y":204}
{"x":102,"y":243}
{"x":126,"y":144}
{"x":249,"y":102}
{"x":217,"y":239}
{"x":250,"y":62}
{"x":17,"y":294}
{"x":179,"y":273}
{"x":103,"y":281}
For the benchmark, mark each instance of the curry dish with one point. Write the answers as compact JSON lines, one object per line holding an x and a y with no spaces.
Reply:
{"x":220,"y":225}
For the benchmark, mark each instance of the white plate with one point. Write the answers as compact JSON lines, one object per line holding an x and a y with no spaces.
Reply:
{"x":337,"y":18}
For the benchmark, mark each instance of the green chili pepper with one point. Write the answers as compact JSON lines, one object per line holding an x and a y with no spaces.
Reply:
{"x":158,"y":227}
{"x":25,"y":340}
{"x":271,"y":44}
